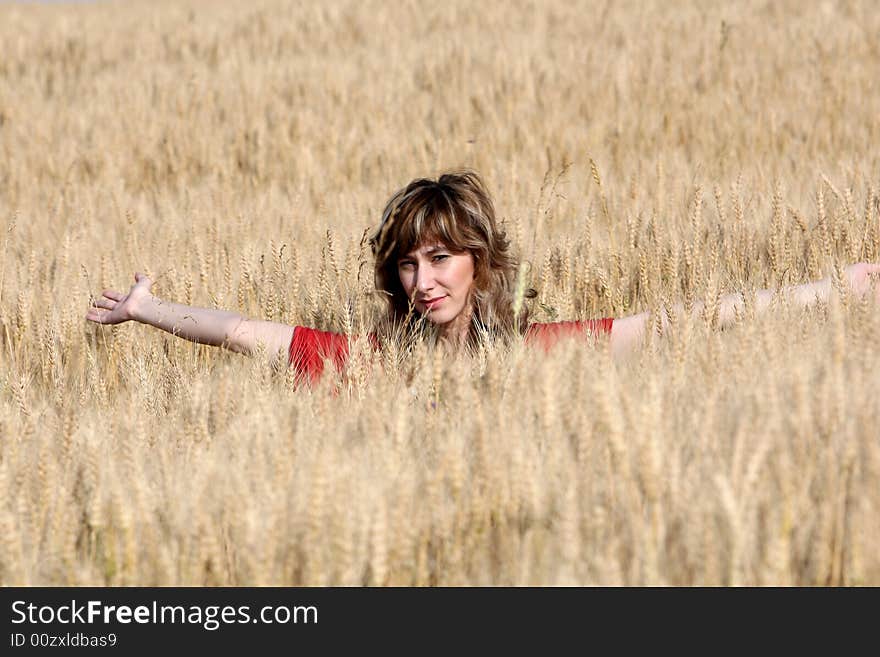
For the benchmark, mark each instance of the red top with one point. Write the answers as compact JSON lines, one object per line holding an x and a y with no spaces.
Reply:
{"x":309,"y":347}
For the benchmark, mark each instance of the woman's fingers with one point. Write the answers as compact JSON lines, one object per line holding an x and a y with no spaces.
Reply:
{"x":95,"y":315}
{"x":103,"y":316}
{"x":106,"y":309}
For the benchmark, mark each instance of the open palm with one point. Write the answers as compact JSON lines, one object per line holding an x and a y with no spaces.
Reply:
{"x":116,"y":307}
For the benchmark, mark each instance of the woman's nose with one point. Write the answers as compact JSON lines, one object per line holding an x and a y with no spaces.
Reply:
{"x":424,"y":280}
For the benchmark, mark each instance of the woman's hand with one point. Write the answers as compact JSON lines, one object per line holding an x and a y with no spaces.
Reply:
{"x":862,"y":279}
{"x":203,"y":325}
{"x":115,"y":307}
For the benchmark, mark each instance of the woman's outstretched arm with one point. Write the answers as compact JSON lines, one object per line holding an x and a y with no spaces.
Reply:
{"x":203,"y":325}
{"x":628,"y":332}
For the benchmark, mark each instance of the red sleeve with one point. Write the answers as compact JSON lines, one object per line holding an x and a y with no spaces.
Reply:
{"x":309,"y":349}
{"x":547,"y":335}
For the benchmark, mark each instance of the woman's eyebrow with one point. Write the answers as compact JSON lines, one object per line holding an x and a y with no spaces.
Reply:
{"x":429,"y":249}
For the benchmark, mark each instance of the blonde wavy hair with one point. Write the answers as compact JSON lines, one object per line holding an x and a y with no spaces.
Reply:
{"x":457,"y":211}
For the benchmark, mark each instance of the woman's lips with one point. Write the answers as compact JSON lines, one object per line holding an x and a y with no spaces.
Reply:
{"x":433,"y":303}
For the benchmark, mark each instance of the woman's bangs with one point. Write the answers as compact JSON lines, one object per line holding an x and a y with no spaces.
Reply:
{"x":421,"y":228}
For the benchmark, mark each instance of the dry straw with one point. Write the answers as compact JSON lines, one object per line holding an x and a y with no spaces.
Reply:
{"x":249,"y":175}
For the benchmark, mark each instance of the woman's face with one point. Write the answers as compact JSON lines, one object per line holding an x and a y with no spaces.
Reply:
{"x":438,"y":281}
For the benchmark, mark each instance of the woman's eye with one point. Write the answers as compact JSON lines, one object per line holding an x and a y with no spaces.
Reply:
{"x":440,"y":257}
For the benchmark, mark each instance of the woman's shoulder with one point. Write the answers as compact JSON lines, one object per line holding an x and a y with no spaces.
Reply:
{"x":309,"y":347}
{"x":591,"y":325}
{"x":547,"y":333}
{"x":307,"y":336}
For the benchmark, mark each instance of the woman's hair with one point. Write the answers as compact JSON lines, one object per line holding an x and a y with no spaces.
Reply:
{"x":455,"y":210}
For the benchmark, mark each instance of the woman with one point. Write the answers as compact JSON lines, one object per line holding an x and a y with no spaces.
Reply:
{"x":442,"y":263}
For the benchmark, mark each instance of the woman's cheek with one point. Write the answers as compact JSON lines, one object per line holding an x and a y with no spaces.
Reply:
{"x":406,"y":281}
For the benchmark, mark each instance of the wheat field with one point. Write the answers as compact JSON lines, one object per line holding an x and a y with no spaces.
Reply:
{"x":639,"y":153}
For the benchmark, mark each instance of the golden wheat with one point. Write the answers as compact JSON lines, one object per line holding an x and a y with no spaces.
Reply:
{"x":240,"y":152}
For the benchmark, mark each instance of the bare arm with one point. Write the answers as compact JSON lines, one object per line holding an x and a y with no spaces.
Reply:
{"x":629,"y":332}
{"x":202,"y":325}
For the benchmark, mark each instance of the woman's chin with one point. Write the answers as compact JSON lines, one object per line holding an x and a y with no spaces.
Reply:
{"x":438,"y":318}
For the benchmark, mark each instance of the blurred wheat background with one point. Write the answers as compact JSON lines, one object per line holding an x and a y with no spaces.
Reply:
{"x":639,"y":153}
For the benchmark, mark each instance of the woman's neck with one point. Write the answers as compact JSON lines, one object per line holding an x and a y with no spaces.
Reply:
{"x":454,"y":333}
